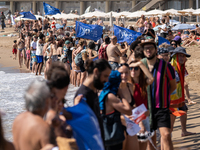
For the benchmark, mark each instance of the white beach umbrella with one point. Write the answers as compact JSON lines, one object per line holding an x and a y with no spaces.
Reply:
{"x":154,"y":12}
{"x":171,"y":12}
{"x":95,"y":14}
{"x":108,"y":14}
{"x":136,"y":14}
{"x":190,"y":10}
{"x":3,"y":8}
{"x":121,"y":14}
{"x":71,"y":16}
{"x":196,"y":12}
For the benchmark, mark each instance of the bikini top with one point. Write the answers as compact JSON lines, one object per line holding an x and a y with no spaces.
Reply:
{"x":132,"y":98}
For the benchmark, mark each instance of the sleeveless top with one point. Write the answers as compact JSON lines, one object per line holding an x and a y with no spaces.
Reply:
{"x":132,"y":98}
{"x":138,"y":96}
{"x":39,"y":50}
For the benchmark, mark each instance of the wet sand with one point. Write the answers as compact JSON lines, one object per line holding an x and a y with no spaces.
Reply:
{"x":193,"y":64}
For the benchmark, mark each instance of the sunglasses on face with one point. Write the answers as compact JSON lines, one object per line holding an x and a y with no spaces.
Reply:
{"x":135,"y":68}
{"x":173,"y":44}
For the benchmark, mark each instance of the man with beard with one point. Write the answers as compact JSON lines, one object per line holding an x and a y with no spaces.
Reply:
{"x":98,"y":74}
{"x":159,"y":93}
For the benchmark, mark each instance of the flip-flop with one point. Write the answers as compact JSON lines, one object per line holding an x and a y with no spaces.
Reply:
{"x":191,"y":103}
{"x":188,"y":134}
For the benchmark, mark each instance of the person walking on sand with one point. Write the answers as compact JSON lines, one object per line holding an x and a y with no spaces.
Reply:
{"x":21,"y":49}
{"x":159,"y":94}
{"x":14,"y":49}
{"x":114,"y":53}
{"x":2,"y":20}
{"x":33,"y":53}
{"x":39,"y":54}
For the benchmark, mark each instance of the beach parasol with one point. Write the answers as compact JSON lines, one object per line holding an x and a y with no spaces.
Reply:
{"x":95,"y":14}
{"x":154,"y":12}
{"x":121,"y":14}
{"x":3,"y":8}
{"x":171,"y":12}
{"x":196,"y":12}
{"x":136,"y":14}
{"x":183,"y":27}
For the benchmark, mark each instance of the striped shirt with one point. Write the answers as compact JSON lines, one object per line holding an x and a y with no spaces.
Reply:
{"x":162,"y":72}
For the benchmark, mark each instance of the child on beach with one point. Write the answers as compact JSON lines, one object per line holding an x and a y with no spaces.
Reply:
{"x":14,"y":49}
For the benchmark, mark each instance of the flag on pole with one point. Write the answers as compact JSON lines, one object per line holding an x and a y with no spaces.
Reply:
{"x":125,"y":35}
{"x":50,"y":10}
{"x":87,"y":10}
{"x":162,"y":40}
{"x":28,"y":15}
{"x":86,"y":31}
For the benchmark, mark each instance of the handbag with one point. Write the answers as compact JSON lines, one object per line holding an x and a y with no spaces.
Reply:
{"x":113,"y":129}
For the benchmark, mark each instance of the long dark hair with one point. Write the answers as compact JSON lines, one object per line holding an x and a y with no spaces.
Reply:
{"x":142,"y":82}
{"x":2,"y":140}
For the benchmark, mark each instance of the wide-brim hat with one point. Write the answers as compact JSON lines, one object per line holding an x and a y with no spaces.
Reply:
{"x":148,"y":41}
{"x":180,"y":50}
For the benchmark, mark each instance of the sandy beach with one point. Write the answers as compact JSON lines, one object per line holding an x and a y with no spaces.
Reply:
{"x":8,"y":65}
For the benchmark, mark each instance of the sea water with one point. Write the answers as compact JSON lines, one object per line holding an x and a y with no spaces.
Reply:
{"x":12,"y":89}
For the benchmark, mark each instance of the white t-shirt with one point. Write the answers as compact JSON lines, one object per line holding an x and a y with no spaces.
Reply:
{"x":34,"y":45}
{"x":163,"y":27}
{"x":39,"y":50}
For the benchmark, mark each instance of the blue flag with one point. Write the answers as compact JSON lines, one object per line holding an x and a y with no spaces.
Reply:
{"x":125,"y":35}
{"x":86,"y":31}
{"x":85,"y":127}
{"x":162,"y":40}
{"x":28,"y":15}
{"x":50,"y":10}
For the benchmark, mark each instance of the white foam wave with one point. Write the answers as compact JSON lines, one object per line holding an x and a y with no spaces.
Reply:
{"x":12,"y":88}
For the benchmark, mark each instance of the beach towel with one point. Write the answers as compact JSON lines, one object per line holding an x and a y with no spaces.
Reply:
{"x":110,"y":87}
{"x":178,"y":97}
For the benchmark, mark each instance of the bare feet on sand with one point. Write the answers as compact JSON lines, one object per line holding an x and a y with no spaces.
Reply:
{"x":187,"y":134}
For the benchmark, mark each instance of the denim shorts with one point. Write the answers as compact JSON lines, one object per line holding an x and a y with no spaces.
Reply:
{"x":114,"y":65}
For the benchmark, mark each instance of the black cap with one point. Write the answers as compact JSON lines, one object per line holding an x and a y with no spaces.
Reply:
{"x":162,"y":50}
{"x":180,"y":50}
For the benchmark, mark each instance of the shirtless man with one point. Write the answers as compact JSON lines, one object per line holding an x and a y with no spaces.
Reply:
{"x":140,"y":24}
{"x":53,"y":50}
{"x":30,"y":131}
{"x":114,"y":53}
{"x":21,"y":49}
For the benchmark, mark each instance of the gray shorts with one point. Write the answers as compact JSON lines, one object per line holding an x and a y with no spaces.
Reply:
{"x":54,"y":58}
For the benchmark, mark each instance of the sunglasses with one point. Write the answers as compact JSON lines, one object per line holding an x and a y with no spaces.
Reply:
{"x":135,"y":68}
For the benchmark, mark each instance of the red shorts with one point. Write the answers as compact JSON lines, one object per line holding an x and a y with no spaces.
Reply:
{"x":14,"y":51}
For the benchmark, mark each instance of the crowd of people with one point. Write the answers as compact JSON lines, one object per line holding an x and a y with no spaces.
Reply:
{"x":113,"y":78}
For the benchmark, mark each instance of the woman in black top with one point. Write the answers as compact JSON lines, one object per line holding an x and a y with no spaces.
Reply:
{"x":149,"y":31}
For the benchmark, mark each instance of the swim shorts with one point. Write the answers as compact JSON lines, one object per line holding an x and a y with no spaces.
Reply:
{"x":39,"y":59}
{"x":28,"y":54}
{"x":161,"y":118}
{"x":33,"y":56}
{"x":14,"y":51}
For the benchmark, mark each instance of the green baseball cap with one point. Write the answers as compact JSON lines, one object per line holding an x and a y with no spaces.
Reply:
{"x":67,"y":42}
